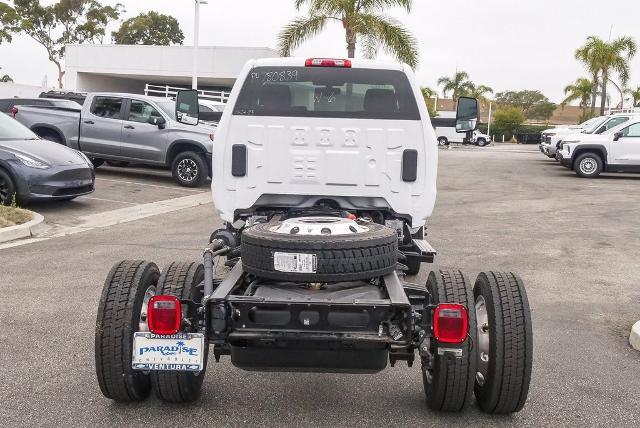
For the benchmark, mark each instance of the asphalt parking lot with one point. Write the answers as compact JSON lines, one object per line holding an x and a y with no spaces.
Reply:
{"x":116,"y":188}
{"x":573,"y":241}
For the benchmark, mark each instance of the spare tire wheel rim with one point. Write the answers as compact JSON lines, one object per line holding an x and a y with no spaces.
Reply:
{"x":588,"y":165}
{"x":319,"y":226}
{"x":187,"y":170}
{"x":484,"y":342}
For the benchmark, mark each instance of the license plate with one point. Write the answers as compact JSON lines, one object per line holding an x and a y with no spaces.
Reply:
{"x":178,"y":352}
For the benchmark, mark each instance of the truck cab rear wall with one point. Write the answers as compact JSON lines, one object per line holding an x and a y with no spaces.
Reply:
{"x":307,"y":142}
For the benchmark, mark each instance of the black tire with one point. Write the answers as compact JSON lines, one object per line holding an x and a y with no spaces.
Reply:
{"x":181,"y":279}
{"x":481,"y":142}
{"x":189,"y":169}
{"x":117,"y":163}
{"x":449,"y":385}
{"x":442,"y":141}
{"x":7,"y":188}
{"x":97,"y":163}
{"x":338,"y":258}
{"x":118,"y":318}
{"x":588,"y":165}
{"x":510,"y":358}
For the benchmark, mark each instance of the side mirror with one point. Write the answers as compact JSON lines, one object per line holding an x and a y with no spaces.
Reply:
{"x":158,"y":121}
{"x":617,"y":136}
{"x":187,"y":108}
{"x":467,"y":115}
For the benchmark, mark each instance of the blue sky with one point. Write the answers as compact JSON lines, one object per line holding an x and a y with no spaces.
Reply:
{"x":505,"y":44}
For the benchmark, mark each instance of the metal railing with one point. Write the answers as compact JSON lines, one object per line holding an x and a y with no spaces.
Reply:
{"x":171,"y":91}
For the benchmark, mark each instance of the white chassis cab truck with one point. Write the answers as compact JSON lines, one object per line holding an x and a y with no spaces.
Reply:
{"x":324,"y":174}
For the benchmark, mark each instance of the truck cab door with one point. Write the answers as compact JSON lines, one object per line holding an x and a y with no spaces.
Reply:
{"x":143,"y":132}
{"x":625,"y":148}
{"x":101,"y":126}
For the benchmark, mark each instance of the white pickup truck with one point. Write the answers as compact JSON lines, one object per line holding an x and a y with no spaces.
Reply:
{"x":446,"y":133}
{"x":121,"y":128}
{"x":616,"y":150}
{"x":550,"y":137}
{"x":325,"y":173}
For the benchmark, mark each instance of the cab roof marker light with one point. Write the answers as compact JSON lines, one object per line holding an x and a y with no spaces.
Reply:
{"x":328,"y":62}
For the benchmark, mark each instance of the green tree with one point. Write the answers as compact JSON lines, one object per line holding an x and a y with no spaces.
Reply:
{"x":429,"y":95}
{"x":62,"y":23}
{"x":586,"y":55}
{"x":608,"y":58}
{"x":581,"y":90}
{"x":509,"y":119}
{"x":458,"y":85}
{"x":149,"y":29}
{"x":478,"y":91}
{"x":635,"y":95}
{"x":361,"y":19}
{"x":8,"y":22}
{"x":533,"y":103}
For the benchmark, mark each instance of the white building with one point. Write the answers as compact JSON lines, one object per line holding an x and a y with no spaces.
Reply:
{"x":129,"y":68}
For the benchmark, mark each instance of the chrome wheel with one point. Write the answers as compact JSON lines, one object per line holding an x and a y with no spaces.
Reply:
{"x":442,"y":141}
{"x":588,"y":166}
{"x":143,"y":321}
{"x":483,"y":340}
{"x":187,"y":170}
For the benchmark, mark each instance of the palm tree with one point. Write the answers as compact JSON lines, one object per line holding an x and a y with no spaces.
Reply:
{"x":359,"y":18}
{"x":581,"y":90}
{"x":610,"y":57}
{"x":458,"y":85}
{"x":586,"y":54}
{"x":427,"y":92}
{"x":635,"y":95}
{"x":479,"y":92}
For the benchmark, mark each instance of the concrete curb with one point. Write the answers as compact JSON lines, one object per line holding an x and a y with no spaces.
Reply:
{"x":634,"y":338}
{"x":110,"y":218}
{"x":25,"y":230}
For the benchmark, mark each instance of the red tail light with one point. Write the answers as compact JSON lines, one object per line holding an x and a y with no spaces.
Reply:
{"x":165,"y":315}
{"x":450,"y":323}
{"x":14,"y":111}
{"x":328,"y":62}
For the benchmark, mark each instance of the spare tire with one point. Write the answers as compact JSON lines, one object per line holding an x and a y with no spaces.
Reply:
{"x":349,"y":252}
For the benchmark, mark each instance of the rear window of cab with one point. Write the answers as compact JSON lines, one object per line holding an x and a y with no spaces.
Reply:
{"x":327,"y":92}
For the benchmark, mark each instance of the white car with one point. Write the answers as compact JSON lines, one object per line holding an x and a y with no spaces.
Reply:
{"x":616,"y":150}
{"x":446,"y":133}
{"x":598,"y":128}
{"x":550,"y":137}
{"x":480,"y":139}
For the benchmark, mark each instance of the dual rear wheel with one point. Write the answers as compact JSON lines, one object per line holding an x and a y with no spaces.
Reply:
{"x":123,"y":311}
{"x":497,"y":355}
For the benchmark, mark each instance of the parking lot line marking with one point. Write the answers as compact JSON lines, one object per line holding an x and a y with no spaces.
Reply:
{"x":150,"y":185}
{"x":121,"y":215}
{"x":107,"y":200}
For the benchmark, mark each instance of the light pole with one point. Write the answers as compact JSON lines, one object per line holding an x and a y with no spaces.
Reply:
{"x":196,"y":35}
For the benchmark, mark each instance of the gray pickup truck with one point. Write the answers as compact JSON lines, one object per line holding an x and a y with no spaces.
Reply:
{"x":128,"y":128}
